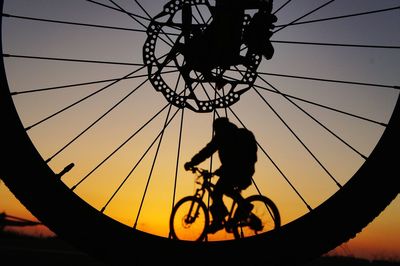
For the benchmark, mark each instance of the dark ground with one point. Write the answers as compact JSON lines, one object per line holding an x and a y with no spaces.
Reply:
{"x":21,"y":250}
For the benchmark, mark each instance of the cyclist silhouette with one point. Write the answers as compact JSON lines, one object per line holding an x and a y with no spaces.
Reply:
{"x":237,"y":150}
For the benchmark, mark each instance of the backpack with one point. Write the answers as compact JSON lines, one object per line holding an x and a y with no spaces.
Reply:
{"x":246,"y":145}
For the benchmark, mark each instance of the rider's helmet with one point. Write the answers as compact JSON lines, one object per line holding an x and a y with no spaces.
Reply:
{"x":222,"y":124}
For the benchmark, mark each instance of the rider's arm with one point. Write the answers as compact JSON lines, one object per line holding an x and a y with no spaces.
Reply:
{"x":204,"y":153}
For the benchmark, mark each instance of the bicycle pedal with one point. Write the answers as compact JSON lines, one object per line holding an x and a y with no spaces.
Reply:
{"x":229,"y":226}
{"x":255,"y":223}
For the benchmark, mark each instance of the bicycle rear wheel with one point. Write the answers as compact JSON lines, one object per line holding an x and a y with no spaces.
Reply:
{"x":189,"y":219}
{"x":264,"y":209}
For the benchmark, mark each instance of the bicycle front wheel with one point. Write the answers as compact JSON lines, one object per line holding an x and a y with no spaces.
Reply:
{"x":189,"y":219}
{"x":265,"y":210}
{"x":102,"y":85}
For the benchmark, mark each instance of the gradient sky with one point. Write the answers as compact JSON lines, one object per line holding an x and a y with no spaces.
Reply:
{"x":26,"y":37}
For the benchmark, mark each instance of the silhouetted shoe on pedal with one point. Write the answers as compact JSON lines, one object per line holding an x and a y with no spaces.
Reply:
{"x":255,"y":223}
{"x":214,"y":227}
{"x":244,"y":211}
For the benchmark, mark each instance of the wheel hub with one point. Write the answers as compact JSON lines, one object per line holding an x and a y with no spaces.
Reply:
{"x":205,"y":49}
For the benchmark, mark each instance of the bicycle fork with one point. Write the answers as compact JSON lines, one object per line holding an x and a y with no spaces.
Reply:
{"x":193,"y":212}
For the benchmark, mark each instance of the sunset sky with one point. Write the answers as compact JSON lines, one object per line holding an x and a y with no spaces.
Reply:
{"x":85,"y":96}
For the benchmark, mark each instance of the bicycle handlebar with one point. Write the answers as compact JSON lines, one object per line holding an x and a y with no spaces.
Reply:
{"x":195,"y":169}
{"x":204,"y":177}
{"x":203,"y":172}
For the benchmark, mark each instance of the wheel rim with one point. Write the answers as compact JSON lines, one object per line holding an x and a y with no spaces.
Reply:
{"x":266,"y":211}
{"x":189,"y":227}
{"x":70,"y":206}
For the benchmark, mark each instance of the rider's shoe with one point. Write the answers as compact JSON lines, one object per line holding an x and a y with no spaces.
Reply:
{"x":248,"y":207}
{"x":244,"y":211}
{"x":214,"y":227}
{"x":255,"y":223}
{"x":229,"y":225}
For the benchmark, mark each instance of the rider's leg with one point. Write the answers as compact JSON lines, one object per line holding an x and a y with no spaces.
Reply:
{"x":218,"y":208}
{"x":244,"y":207}
{"x":235,"y":189}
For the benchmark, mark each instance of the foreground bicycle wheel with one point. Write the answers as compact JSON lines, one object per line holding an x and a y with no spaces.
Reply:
{"x":189,"y":219}
{"x":265,"y":210}
{"x":130,"y":120}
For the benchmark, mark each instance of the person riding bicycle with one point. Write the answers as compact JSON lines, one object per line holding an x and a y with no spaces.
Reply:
{"x":237,"y":149}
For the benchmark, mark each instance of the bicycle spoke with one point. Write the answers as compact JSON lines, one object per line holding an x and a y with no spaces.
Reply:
{"x":317,"y":104}
{"x":97,"y":120}
{"x":281,"y":27}
{"x":84,"y":83}
{"x":119,"y":10}
{"x":120,"y":147}
{"x":274,"y":164}
{"x":72,"y":60}
{"x":339,"y":44}
{"x":282,"y":6}
{"x":167,"y":122}
{"x":330,"y":80}
{"x":72,"y":23}
{"x":124,"y":11}
{"x":298,"y":138}
{"x":89,"y":96}
{"x":178,"y":153}
{"x":79,"y":101}
{"x":339,"y":17}
{"x":158,"y":137}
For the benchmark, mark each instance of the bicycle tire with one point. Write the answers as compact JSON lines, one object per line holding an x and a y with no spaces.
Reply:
{"x":271,"y":218}
{"x":78,"y":222}
{"x":176,"y":220}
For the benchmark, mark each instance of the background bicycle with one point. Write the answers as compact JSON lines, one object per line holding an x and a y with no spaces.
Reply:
{"x":190,"y":215}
